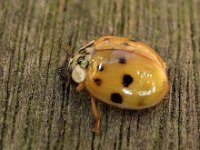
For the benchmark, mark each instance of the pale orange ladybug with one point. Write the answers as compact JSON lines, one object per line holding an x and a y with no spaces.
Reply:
{"x":120,"y":72}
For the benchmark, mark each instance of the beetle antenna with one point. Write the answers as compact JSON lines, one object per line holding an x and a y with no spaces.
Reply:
{"x":63,"y":70}
{"x":68,"y":50}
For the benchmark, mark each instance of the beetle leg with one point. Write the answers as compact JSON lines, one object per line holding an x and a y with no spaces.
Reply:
{"x":80,"y":87}
{"x":96,"y":114}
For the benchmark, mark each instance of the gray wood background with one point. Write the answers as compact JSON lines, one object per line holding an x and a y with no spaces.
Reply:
{"x":37,"y":112}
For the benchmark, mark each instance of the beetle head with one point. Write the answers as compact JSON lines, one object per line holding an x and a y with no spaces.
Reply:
{"x":79,"y":63}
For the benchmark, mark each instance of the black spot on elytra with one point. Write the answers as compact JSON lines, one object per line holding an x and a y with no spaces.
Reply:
{"x":132,"y":40}
{"x":116,"y":98}
{"x":127,"y":80}
{"x":97,"y":81}
{"x":100,"y":67}
{"x":105,"y":39}
{"x":125,"y":44}
{"x":122,"y":60}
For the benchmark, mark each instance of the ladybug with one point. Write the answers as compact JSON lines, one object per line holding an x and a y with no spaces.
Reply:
{"x":120,"y":72}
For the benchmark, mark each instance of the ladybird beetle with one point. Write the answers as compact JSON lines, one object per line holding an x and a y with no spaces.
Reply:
{"x":120,"y":72}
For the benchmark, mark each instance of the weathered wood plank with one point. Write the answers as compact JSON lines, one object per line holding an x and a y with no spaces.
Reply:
{"x":37,"y":112}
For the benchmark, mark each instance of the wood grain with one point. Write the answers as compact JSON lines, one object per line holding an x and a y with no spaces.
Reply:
{"x":38,"y":112}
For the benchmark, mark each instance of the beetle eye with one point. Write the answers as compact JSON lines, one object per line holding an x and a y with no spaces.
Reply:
{"x":80,"y":59}
{"x":84,"y":64}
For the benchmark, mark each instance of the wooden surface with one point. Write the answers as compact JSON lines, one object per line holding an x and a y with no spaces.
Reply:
{"x":37,"y":112}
